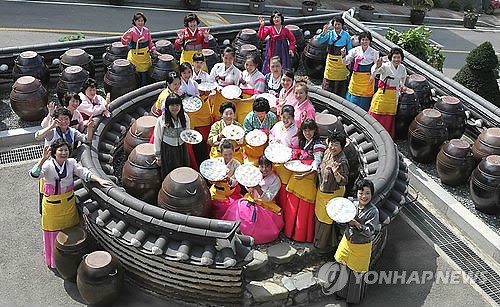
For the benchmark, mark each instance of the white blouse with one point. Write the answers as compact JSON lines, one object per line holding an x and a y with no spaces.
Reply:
{"x":388,"y":70}
{"x":232,"y":75}
{"x":368,"y":57}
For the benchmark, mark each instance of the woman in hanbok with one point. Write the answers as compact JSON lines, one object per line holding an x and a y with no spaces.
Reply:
{"x":363,"y":57}
{"x":172,"y":86}
{"x":224,"y":73}
{"x":71,"y":101}
{"x":284,"y":132}
{"x":92,"y":103}
{"x":200,"y":120}
{"x":139,"y":42}
{"x":298,"y":210}
{"x":333,"y":173}
{"x":252,"y":83}
{"x":273,"y":77}
{"x":286,"y":93}
{"x":215,"y":137}
{"x":59,"y":211}
{"x":392,"y":79}
{"x":304,"y":109}
{"x":336,"y":72}
{"x":281,"y":41}
{"x":227,"y":190}
{"x":259,"y":215}
{"x":170,"y":149}
{"x":260,"y":118}
{"x":191,"y":39}
{"x":355,"y":248}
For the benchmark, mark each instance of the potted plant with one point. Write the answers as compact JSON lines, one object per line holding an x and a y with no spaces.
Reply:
{"x":470,"y":18}
{"x":366,"y":12}
{"x":418,"y":10}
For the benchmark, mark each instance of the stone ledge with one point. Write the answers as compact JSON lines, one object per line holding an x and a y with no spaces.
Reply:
{"x":281,"y":253}
{"x":266,"y":291}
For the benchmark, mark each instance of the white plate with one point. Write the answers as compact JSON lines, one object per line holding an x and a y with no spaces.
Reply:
{"x":341,"y":209}
{"x":191,"y":104}
{"x":233,"y":132}
{"x":213,"y":169}
{"x":207,"y":86}
{"x":270,"y":98}
{"x":297,"y":166}
{"x":256,"y":137}
{"x":231,"y":91}
{"x":191,"y":136}
{"x":248,"y":175}
{"x":278,"y":153}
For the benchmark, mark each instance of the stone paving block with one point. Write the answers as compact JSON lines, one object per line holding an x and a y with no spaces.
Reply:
{"x":299,"y":281}
{"x":267,"y":291}
{"x":281,"y":253}
{"x":259,"y":261}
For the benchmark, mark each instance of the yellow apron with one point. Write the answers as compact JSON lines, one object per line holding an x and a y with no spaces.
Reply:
{"x":243,"y":108}
{"x":282,"y":172}
{"x":163,"y":95}
{"x":221,"y":190}
{"x":264,"y":204}
{"x":320,"y":206}
{"x":140,"y":58}
{"x":355,"y":256}
{"x":304,"y":188}
{"x":218,"y":99}
{"x":384,"y":103}
{"x":59,"y":212}
{"x":335,"y":70}
{"x":203,"y":116}
{"x":253,"y":153}
{"x":360,"y":84}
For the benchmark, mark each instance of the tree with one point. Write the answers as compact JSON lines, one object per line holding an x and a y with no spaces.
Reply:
{"x":480,"y":72}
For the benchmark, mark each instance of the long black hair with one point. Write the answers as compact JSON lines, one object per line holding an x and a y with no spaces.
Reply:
{"x":170,"y":100}
{"x":307,"y":124}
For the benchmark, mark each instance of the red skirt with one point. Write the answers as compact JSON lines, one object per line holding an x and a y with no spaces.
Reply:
{"x":387,"y":121}
{"x":298,"y":215}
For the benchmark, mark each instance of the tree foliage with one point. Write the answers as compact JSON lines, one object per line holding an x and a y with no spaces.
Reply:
{"x":415,"y":42}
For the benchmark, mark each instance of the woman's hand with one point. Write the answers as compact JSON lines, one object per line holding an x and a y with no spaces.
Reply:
{"x":103,"y":182}
{"x":206,"y":34}
{"x":261,"y":20}
{"x":355,"y":224}
{"x":290,"y":52}
{"x":379,"y":63}
{"x":326,"y":28}
{"x":371,"y":79}
{"x":46,"y":153}
{"x":343,"y":51}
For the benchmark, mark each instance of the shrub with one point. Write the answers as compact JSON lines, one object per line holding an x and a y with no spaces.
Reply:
{"x":454,"y":6}
{"x":415,"y":42}
{"x":479,"y":73}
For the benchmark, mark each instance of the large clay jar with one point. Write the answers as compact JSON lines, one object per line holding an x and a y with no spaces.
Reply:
{"x":116,"y":51}
{"x":214,"y":45}
{"x":139,"y":133}
{"x":163,"y":66}
{"x":164,"y":46}
{"x":141,"y":174}
{"x":426,"y":134}
{"x":29,"y":99}
{"x":120,"y":78}
{"x":455,"y":162}
{"x":300,"y":42}
{"x":30,"y":63}
{"x":314,"y":58}
{"x":246,"y":36}
{"x":422,"y":89}
{"x":243,"y":52}
{"x":485,"y":185}
{"x":71,"y":80}
{"x":453,"y":113}
{"x":407,"y":110}
{"x":487,"y":143}
{"x":100,"y":278}
{"x":78,"y":57}
{"x":71,"y":246}
{"x":327,"y":123}
{"x":185,"y":191}
{"x":210,"y":58}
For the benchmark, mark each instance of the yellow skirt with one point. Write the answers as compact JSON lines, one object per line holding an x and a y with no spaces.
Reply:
{"x":360,"y":84}
{"x":304,"y":188}
{"x":140,"y":58}
{"x":217,"y":101}
{"x":355,"y":256}
{"x":220,"y":191}
{"x":243,"y":108}
{"x":163,"y":95}
{"x":335,"y":70}
{"x":187,"y":56}
{"x":384,"y":103}
{"x":282,"y":172}
{"x":253,"y":153}
{"x":320,"y":206}
{"x":59,"y":212}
